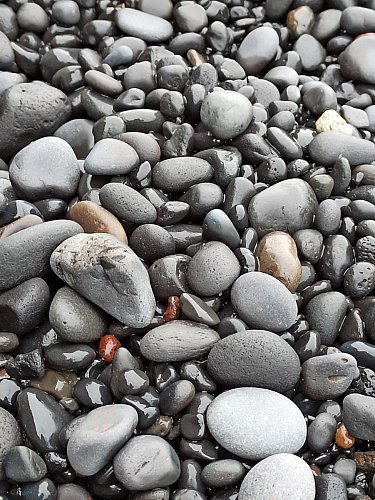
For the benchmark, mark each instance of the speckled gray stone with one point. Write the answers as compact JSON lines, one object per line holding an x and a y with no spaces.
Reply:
{"x":10,"y":436}
{"x":255,"y":423}
{"x":142,"y":25}
{"x":109,"y":274}
{"x":263,"y":302}
{"x":282,"y":476}
{"x":99,"y":436}
{"x":254,"y":358}
{"x":111,"y":157}
{"x":176,"y":175}
{"x":213,"y":269}
{"x":177,"y":341}
{"x":358,"y":416}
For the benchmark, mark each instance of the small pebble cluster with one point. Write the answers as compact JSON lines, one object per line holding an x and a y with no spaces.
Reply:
{"x":187,"y":250}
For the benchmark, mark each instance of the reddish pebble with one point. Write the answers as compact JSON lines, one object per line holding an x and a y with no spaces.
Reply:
{"x":343,"y":439}
{"x":173,"y":310}
{"x":108,"y":346}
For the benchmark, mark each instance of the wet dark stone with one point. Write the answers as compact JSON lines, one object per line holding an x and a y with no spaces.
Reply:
{"x":337,"y":257}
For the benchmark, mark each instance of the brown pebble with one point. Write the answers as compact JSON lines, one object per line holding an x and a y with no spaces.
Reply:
{"x":173,"y":310}
{"x":19,"y":224}
{"x":365,"y":461}
{"x":315,"y":470}
{"x":53,"y":383}
{"x":277,"y":254}
{"x":343,"y":439}
{"x":161,"y":427}
{"x":195,"y":58}
{"x":300,"y":21}
{"x":96,"y":219}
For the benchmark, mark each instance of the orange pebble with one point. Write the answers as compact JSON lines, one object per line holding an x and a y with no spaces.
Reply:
{"x":108,"y":346}
{"x":173,"y":310}
{"x":343,"y":439}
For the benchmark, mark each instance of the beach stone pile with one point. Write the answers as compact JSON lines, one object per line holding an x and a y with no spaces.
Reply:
{"x":187,"y":250}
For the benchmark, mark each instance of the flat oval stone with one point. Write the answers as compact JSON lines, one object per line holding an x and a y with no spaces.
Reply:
{"x":326,"y":148}
{"x":263,"y":302}
{"x":46,"y":168}
{"x":254,"y":358}
{"x":10,"y":436}
{"x":258,"y":49}
{"x":148,"y":27}
{"x":96,"y":219}
{"x":123,"y":289}
{"x":39,"y":241}
{"x":356,"y":59}
{"x":41,"y":418}
{"x":146,"y":462}
{"x":255,"y":423}
{"x":178,"y":340}
{"x":226,"y":114}
{"x":278,"y":256}
{"x":39,"y":107}
{"x":358,"y":411}
{"x":299,"y":206}
{"x":179,"y":174}
{"x":327,"y":377}
{"x":69,"y":356}
{"x":213,"y":269}
{"x":111,"y":157}
{"x":145,"y":145}
{"x":74,"y":318}
{"x":23,"y":465}
{"x":99,"y":436}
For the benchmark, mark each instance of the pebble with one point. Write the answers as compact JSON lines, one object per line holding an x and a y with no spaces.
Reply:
{"x":252,"y":59}
{"x":223,"y":473}
{"x":279,"y":476}
{"x":321,"y":432}
{"x":263,"y":302}
{"x":146,"y":462}
{"x":148,"y":27}
{"x":117,"y":265}
{"x":277,"y":254}
{"x":358,"y":416}
{"x":330,"y":486}
{"x":23,"y":465}
{"x":10,"y":437}
{"x":178,"y":340}
{"x":226,"y":114}
{"x":99,"y":437}
{"x":168,"y":276}
{"x":331,"y":120}
{"x":111,"y":157}
{"x":355,"y":60}
{"x":298,"y":200}
{"x":176,"y":175}
{"x":255,"y":423}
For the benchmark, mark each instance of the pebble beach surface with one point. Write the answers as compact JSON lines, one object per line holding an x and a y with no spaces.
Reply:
{"x":187,"y":250}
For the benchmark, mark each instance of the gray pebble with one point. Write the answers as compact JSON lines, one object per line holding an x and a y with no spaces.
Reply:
{"x":358,"y":411}
{"x":178,"y":174}
{"x":111,"y":157}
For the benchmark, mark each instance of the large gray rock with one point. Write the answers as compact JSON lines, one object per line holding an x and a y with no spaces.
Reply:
{"x":298,"y":202}
{"x":254,"y":358}
{"x":356,"y":61}
{"x":25,"y":255}
{"x":178,"y":341}
{"x":10,"y":436}
{"x":359,"y":416}
{"x":109,"y":274}
{"x":142,"y":25}
{"x":29,"y":111}
{"x":258,"y":49}
{"x":99,"y":436}
{"x":46,"y":168}
{"x":280,"y":476}
{"x":255,"y":423}
{"x":263,"y":302}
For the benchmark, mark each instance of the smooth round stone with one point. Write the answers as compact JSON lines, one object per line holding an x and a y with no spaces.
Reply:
{"x":96,"y":219}
{"x":175,"y":175}
{"x":151,"y":242}
{"x":363,"y":352}
{"x":96,"y":440}
{"x":92,"y":393}
{"x":217,"y":226}
{"x":105,"y":271}
{"x":175,"y":397}
{"x":10,"y":436}
{"x":31,"y":17}
{"x":357,"y":416}
{"x":321,"y":432}
{"x":46,"y":168}
{"x":41,"y":418}
{"x":330,"y":486}
{"x":311,"y":52}
{"x":39,"y":107}
{"x":328,"y":217}
{"x":213,"y":269}
{"x":277,"y":254}
{"x":7,"y":58}
{"x":168,"y":276}
{"x":310,"y":244}
{"x":327,"y":377}
{"x":77,"y":133}
{"x":23,"y":307}
{"x":226,"y":114}
{"x":74,"y":318}
{"x":297,"y":198}
{"x":66,"y":12}
{"x":44,"y":489}
{"x":202,"y":198}
{"x":255,"y":423}
{"x":8,"y":342}
{"x":346,"y":468}
{"x":326,"y":147}
{"x":103,"y":83}
{"x":38,"y":241}
{"x":23,"y":465}
{"x":258,"y":49}
{"x":146,"y":462}
{"x":145,"y":145}
{"x":69,"y":356}
{"x":146,"y":26}
{"x":280,"y":476}
{"x":319,"y":99}
{"x":178,"y":340}
{"x":263,"y":302}
{"x":356,"y":58}
{"x":254,"y":358}
{"x":111,"y":157}
{"x":223,"y":473}
{"x":196,"y":309}
{"x":127,"y":204}
{"x":337,"y":257}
